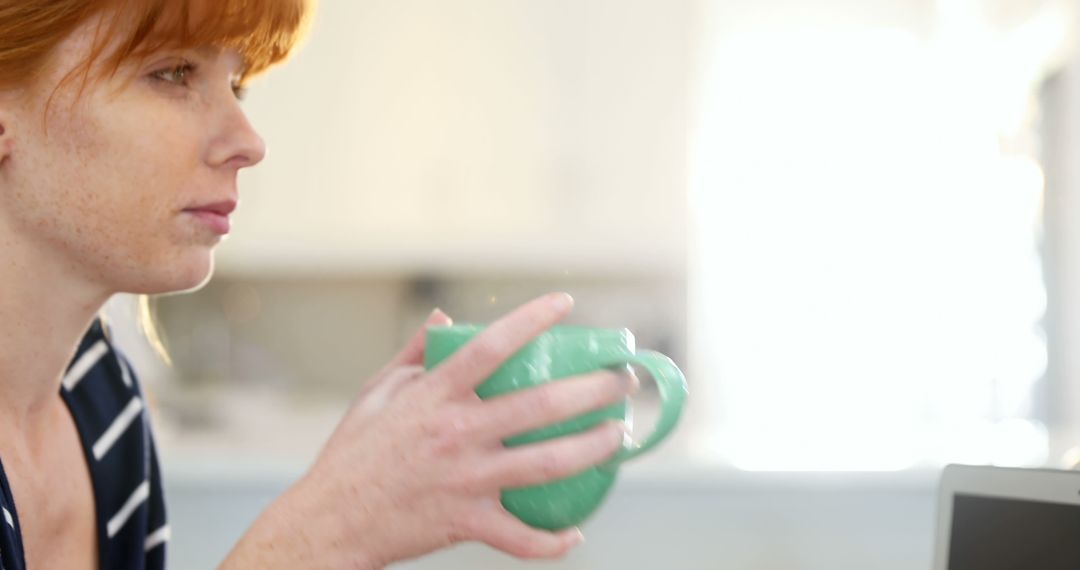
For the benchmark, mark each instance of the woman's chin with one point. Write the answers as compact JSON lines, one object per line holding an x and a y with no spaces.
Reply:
{"x":190,"y":274}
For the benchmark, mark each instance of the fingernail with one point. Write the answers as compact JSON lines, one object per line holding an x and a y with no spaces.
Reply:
{"x":438,"y":314}
{"x":626,"y":438}
{"x":579,"y":537}
{"x":622,"y":426}
{"x":562,"y":301}
{"x":630,"y":382}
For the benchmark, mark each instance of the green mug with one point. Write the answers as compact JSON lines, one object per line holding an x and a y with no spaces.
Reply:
{"x":560,"y":352}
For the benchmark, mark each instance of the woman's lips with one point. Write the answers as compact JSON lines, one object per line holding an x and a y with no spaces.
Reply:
{"x":215,"y":216}
{"x":218,"y":223}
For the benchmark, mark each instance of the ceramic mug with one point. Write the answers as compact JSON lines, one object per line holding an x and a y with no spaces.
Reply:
{"x":560,"y":352}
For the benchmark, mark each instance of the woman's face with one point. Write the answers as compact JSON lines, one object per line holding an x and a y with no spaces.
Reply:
{"x":126,"y":185}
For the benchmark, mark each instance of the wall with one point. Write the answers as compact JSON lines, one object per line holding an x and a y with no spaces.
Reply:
{"x":1060,"y":132}
{"x":413,"y":135}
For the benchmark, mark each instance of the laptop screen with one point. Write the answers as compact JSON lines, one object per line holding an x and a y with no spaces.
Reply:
{"x":991,"y":533}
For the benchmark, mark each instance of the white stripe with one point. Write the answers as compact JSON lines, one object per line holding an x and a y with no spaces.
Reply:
{"x":125,"y":375}
{"x":137,"y":498}
{"x":84,"y":364}
{"x":158,"y":537}
{"x":121,"y":423}
{"x":7,"y":516}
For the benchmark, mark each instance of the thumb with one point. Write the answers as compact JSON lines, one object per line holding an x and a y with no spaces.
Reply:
{"x":413,"y":353}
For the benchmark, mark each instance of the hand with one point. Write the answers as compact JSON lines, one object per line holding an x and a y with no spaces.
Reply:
{"x":418,"y":463}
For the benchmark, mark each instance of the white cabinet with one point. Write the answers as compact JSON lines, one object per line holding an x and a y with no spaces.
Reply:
{"x":482,"y":134}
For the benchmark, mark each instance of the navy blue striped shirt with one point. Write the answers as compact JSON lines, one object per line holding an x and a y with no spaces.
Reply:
{"x":104,"y":398}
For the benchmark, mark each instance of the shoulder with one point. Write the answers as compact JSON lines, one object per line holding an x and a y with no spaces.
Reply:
{"x":105,"y":400}
{"x":99,"y":357}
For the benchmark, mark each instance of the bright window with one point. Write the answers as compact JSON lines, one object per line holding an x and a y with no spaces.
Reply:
{"x":868,"y":289}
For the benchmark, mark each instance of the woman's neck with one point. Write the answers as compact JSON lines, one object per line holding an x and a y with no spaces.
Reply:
{"x":44,"y":312}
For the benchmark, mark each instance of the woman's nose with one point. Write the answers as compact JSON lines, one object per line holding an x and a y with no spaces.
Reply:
{"x":237,"y":144}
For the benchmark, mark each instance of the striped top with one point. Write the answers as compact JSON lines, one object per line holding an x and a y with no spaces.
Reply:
{"x":107,"y":405}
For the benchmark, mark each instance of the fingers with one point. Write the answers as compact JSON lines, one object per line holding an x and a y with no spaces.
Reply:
{"x":480,"y":357}
{"x":386,"y":386}
{"x":501,"y":530}
{"x":553,"y":459}
{"x":413,"y":353}
{"x":553,"y":402}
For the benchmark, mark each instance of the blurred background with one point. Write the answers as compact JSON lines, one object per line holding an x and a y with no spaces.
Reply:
{"x":855,"y":224}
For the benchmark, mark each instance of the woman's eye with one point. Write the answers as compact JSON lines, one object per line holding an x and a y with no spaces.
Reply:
{"x":176,"y":74}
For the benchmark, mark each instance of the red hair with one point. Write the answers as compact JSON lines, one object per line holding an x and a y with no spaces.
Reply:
{"x":264,"y":32}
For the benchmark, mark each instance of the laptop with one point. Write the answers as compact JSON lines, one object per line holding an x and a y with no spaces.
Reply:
{"x":997,"y":518}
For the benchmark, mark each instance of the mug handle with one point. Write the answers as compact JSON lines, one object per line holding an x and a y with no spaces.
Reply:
{"x":672,"y":386}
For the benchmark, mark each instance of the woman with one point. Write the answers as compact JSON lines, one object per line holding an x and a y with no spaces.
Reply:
{"x":120,"y":140}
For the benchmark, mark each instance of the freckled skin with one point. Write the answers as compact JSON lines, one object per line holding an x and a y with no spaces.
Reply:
{"x":93,"y":184}
{"x":96,"y":182}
